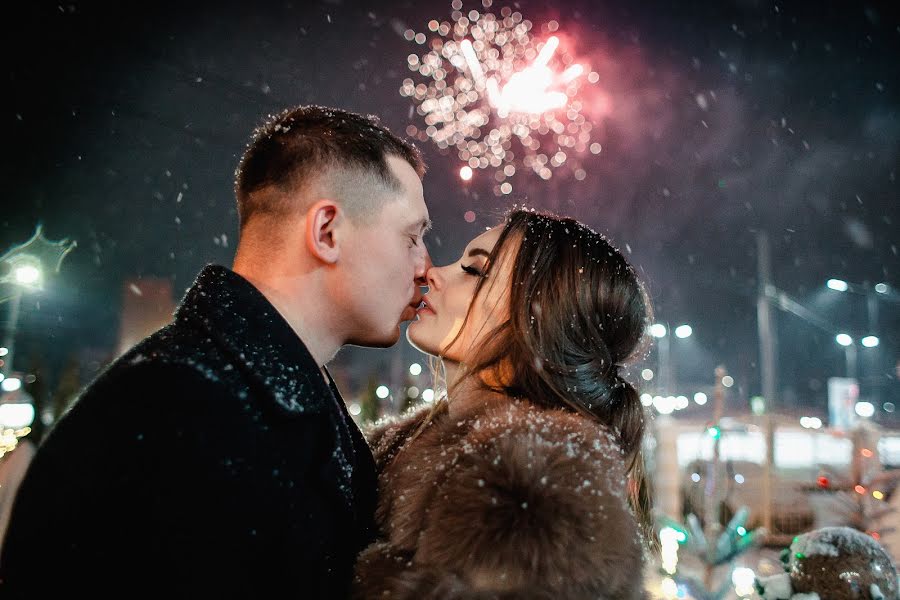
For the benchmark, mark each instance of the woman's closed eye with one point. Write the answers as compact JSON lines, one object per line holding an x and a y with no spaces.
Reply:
{"x":471,"y":270}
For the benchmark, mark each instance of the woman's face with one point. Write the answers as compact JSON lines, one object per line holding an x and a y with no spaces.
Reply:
{"x":450,"y":292}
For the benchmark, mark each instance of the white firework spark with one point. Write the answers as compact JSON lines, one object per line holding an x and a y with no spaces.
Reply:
{"x":503,"y":97}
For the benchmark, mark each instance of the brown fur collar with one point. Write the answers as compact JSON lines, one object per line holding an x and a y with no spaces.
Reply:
{"x":507,"y":501}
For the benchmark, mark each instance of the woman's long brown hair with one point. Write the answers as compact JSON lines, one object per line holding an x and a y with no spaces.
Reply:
{"x":577,"y":313}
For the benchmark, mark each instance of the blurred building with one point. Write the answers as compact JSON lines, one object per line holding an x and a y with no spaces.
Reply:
{"x":147,"y":305}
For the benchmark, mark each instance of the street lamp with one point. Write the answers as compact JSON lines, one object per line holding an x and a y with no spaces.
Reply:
{"x":880,"y":291}
{"x":838,"y":285}
{"x":25,"y":267}
{"x":27,"y":275}
{"x":658,"y":330}
{"x":683,"y":331}
{"x":870,"y":341}
{"x":846,"y":341}
{"x":843,"y":339}
{"x":664,"y":356}
{"x":872,"y":294}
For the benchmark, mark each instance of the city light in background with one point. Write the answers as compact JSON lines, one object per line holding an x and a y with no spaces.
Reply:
{"x":683,"y":331}
{"x":27,"y":275}
{"x":865,"y":409}
{"x":870,"y":341}
{"x":838,"y":285}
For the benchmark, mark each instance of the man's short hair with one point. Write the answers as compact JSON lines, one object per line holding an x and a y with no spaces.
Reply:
{"x":340,"y":152}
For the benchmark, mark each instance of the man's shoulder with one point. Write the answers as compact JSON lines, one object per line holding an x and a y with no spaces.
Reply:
{"x":176,"y":348}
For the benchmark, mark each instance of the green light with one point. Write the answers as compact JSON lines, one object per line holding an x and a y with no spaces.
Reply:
{"x":741,"y":531}
{"x":714,"y":432}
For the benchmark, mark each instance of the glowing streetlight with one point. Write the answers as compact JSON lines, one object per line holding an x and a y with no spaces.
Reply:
{"x":658,"y":330}
{"x":881,"y":288}
{"x":664,"y":366}
{"x":843,"y":339}
{"x":415,"y":369}
{"x":27,"y":275}
{"x":382,"y":391}
{"x":26,"y":266}
{"x":870,"y":341}
{"x":683,"y":331}
{"x":838,"y":285}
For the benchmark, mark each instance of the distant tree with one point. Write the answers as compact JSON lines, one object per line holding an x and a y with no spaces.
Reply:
{"x":370,"y":403}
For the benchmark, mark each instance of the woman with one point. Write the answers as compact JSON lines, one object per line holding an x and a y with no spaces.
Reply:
{"x":525,"y":481}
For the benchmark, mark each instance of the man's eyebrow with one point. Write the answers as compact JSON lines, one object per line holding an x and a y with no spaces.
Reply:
{"x":479,"y":252}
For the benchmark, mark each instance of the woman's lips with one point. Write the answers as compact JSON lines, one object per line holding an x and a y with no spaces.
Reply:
{"x":425,"y":308}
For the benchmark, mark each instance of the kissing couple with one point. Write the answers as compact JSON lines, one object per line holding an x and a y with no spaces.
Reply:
{"x":217,"y":459}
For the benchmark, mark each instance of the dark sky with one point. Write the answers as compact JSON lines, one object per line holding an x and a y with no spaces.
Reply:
{"x":124,"y":122}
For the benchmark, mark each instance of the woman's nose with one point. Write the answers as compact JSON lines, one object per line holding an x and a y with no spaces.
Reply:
{"x":433,"y":277}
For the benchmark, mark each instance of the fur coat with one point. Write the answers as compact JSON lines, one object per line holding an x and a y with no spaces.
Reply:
{"x":506,"y":501}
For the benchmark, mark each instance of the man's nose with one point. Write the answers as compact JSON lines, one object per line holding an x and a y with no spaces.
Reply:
{"x":422,"y":275}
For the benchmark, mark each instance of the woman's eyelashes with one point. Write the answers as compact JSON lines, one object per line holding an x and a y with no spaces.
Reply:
{"x":471,"y":270}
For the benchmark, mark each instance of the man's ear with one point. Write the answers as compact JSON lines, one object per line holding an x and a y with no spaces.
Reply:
{"x":322,"y":221}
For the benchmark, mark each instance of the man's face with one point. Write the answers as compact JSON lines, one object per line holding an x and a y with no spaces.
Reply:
{"x":384,"y":264}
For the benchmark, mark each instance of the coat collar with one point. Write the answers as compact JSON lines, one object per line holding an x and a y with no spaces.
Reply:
{"x":243,"y":322}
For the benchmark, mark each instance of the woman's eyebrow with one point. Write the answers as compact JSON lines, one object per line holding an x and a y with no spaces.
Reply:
{"x":479,"y":252}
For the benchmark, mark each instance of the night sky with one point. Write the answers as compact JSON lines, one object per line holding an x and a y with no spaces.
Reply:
{"x":124,"y":123}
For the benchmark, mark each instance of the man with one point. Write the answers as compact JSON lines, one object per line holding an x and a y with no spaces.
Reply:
{"x":216,"y":458}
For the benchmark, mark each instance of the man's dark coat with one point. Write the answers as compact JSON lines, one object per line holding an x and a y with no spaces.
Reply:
{"x":212,"y":460}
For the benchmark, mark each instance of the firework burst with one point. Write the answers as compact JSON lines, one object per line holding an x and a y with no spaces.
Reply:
{"x":503,"y":97}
